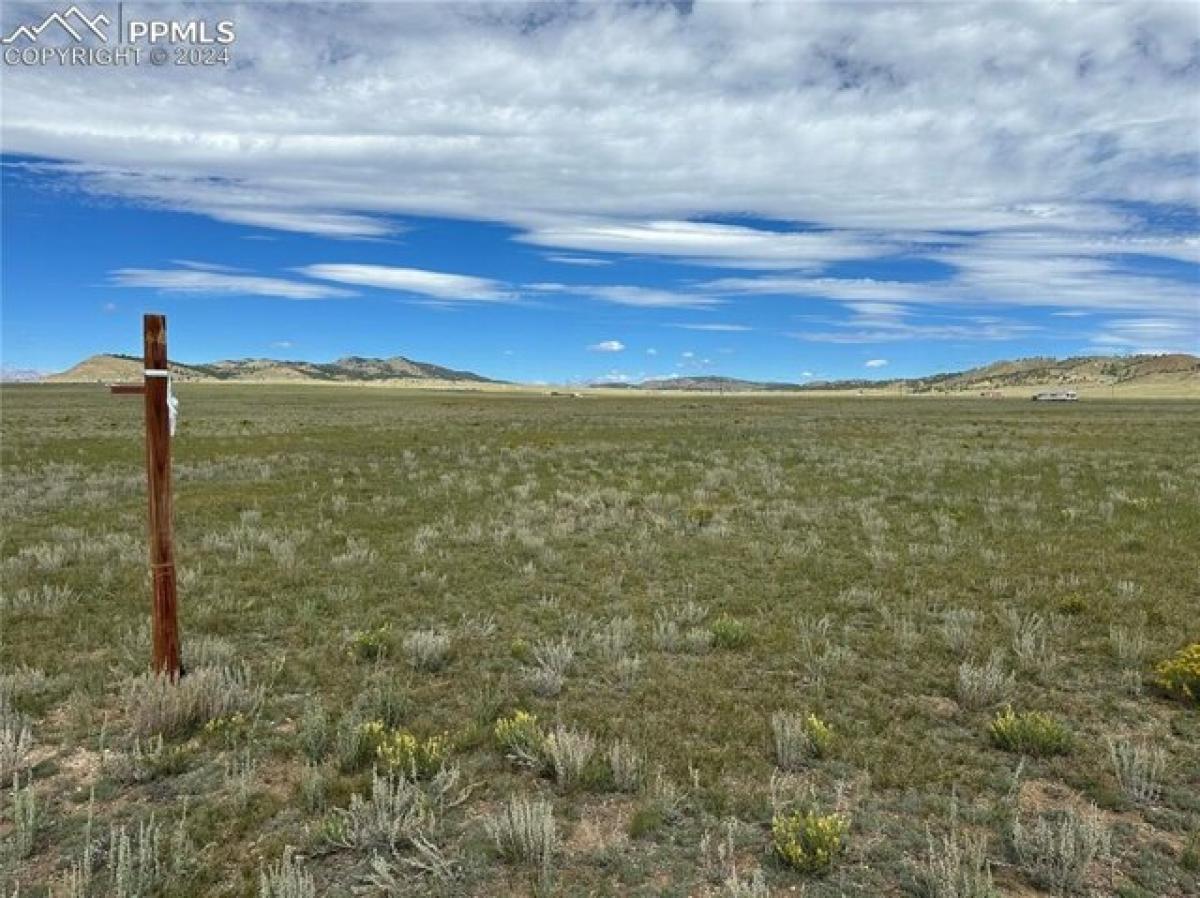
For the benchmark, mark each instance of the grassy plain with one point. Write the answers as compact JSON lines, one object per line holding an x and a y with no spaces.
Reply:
{"x":663,"y":572}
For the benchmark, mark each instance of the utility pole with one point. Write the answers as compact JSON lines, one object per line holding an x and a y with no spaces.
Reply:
{"x":156,"y":390}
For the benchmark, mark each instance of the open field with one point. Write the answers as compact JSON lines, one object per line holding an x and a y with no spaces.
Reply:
{"x":654,"y":579}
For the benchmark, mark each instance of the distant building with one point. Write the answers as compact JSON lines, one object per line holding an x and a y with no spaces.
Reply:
{"x":1056,"y":396}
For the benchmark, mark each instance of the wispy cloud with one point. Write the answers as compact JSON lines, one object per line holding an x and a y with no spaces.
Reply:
{"x":875,"y":363}
{"x":436,"y":284}
{"x":584,"y":261}
{"x":719,"y":328}
{"x":1150,"y":335}
{"x":710,"y":243}
{"x":647,"y":297}
{"x":198,"y":281}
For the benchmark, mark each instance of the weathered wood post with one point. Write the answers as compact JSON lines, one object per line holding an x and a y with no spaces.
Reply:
{"x":156,"y":391}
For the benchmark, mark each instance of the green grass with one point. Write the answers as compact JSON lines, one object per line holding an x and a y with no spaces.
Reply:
{"x":809,"y":553}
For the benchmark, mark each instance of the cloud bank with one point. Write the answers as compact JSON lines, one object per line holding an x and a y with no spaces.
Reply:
{"x":1035,"y":152}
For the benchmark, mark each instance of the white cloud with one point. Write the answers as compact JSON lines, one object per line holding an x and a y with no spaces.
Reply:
{"x":876,"y":363}
{"x":651,"y":351}
{"x":191,"y":280}
{"x":607,"y":346}
{"x":282,"y":344}
{"x":436,"y":284}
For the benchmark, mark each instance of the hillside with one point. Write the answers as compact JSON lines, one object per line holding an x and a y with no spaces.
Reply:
{"x":1179,"y":370}
{"x":352,"y":369}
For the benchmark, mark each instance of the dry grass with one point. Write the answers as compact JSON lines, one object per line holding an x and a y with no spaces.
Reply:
{"x":677,"y":570}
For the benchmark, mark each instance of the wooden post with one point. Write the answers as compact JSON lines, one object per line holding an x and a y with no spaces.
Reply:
{"x":158,"y":481}
{"x":156,"y":388}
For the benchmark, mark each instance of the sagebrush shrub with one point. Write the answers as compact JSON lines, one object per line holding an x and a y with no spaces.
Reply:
{"x":1129,"y":644}
{"x":799,"y":738}
{"x":157,"y":706}
{"x":352,"y":748}
{"x":313,"y":734}
{"x":1029,"y":733}
{"x":956,"y":865}
{"x":1057,"y":848}
{"x":613,"y":639}
{"x":23,"y":814}
{"x":809,"y":841}
{"x":568,"y":751}
{"x":958,"y":628}
{"x":627,"y":766}
{"x":16,"y":742}
{"x":523,"y":831}
{"x":427,"y":650}
{"x":983,"y":685}
{"x":396,"y":812}
{"x":698,"y":640}
{"x":544,"y":681}
{"x":286,"y":879}
{"x":1138,"y":768}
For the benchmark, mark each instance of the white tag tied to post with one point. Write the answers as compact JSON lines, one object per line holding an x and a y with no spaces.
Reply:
{"x":172,"y":399}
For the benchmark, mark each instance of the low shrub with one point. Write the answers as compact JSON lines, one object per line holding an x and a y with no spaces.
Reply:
{"x":956,"y":866}
{"x":521,"y":739}
{"x":1138,"y":768}
{"x":982,"y":685}
{"x":427,"y":650}
{"x":287,"y":879}
{"x":16,"y":742}
{"x":569,"y":752}
{"x":370,"y":645}
{"x":158,"y":706}
{"x":809,"y":841}
{"x":1057,"y":849}
{"x":799,"y":739}
{"x":1179,"y":675}
{"x":1029,"y":733}
{"x":729,"y":632}
{"x":402,"y":752}
{"x":523,"y":832}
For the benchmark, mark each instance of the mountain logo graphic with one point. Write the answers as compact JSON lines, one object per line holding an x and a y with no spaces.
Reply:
{"x":73,"y":22}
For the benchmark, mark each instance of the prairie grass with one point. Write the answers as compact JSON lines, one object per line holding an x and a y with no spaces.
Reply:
{"x":903,"y":568}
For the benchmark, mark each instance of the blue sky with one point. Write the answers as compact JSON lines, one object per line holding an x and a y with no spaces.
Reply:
{"x":544,"y":193}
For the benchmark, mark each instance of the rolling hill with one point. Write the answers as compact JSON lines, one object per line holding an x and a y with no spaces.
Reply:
{"x":1175,"y":374}
{"x":353,"y":369}
{"x":1176,"y":370}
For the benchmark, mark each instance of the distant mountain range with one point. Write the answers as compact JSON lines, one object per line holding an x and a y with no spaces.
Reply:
{"x":1178,"y":373}
{"x":1086,"y":371}
{"x":352,"y":369}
